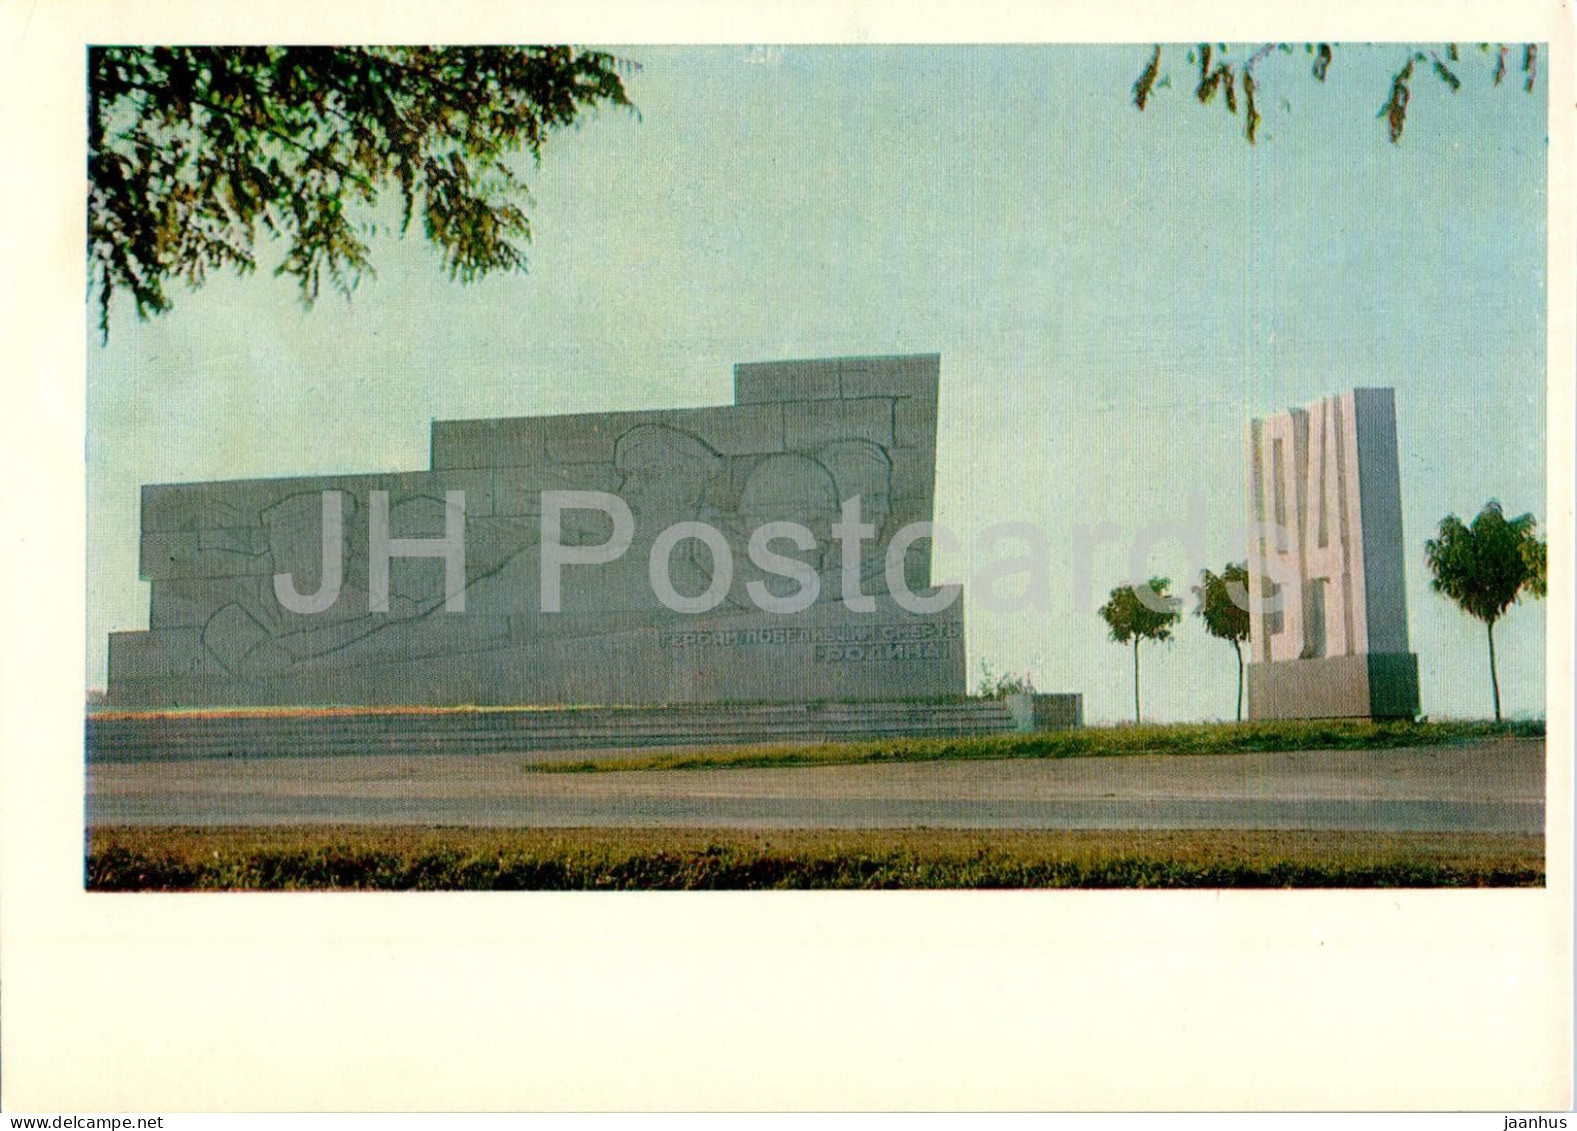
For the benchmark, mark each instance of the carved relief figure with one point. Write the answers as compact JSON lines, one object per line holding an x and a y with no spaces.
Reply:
{"x":786,"y":487}
{"x":863,"y":468}
{"x":665,"y":476}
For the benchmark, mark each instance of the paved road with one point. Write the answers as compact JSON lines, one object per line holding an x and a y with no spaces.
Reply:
{"x":1495,"y":786}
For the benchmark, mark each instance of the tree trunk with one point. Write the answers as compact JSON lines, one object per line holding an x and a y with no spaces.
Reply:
{"x":1136,"y":679}
{"x":1238,"y":648}
{"x":1494,"y":680}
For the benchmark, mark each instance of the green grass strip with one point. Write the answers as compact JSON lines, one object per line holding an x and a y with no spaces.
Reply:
{"x":1085,"y":742}
{"x":383,"y":859}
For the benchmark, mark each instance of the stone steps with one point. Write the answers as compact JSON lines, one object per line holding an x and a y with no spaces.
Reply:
{"x":113,"y":737}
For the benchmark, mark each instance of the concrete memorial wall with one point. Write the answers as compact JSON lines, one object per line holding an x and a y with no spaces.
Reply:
{"x":275,"y":591}
{"x":1325,"y":513}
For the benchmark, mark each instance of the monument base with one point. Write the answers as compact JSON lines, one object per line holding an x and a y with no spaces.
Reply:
{"x":1380,"y":685}
{"x":539,"y":733}
{"x":824,"y":653}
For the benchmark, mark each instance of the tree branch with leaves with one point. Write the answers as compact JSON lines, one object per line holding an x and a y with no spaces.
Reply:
{"x":1220,"y":74}
{"x":194,"y":152}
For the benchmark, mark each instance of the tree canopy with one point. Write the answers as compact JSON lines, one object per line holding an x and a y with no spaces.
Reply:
{"x":1487,"y":566}
{"x":1535,"y":555}
{"x":1218,"y":606}
{"x":192,"y":151}
{"x":1221,"y":71}
{"x":1132,"y":616}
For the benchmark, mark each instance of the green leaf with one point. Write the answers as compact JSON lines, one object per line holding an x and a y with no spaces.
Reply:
{"x":1146,"y":81}
{"x":1322,"y":62}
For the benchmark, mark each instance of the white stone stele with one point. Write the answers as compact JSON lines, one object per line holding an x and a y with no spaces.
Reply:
{"x":802,"y":438}
{"x":1325,"y":514}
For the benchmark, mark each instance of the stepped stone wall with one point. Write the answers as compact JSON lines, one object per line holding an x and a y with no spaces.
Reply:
{"x":146,"y":736}
{"x":802,"y":439}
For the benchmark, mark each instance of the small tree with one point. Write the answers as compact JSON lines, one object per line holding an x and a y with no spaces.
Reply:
{"x":1133,"y":616}
{"x":1487,"y":566}
{"x":1224,"y":618}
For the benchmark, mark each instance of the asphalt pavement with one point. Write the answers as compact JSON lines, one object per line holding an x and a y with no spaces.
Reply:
{"x":1491,"y":786}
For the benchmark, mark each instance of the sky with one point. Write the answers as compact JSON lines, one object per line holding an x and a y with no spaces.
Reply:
{"x":1113,"y":294}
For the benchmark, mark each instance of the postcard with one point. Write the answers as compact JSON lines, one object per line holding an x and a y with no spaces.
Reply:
{"x":859,"y":560}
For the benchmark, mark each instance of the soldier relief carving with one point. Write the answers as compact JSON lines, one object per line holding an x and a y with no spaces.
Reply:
{"x":551,"y":529}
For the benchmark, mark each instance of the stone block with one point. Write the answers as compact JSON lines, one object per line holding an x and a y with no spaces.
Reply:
{"x":736,"y":431}
{"x":809,"y":424}
{"x":1393,"y":685}
{"x":913,"y":476}
{"x":755,"y":382}
{"x":197,"y":506}
{"x":509,"y":442}
{"x":914,"y":424}
{"x":159,"y":654}
{"x":1371,"y":686}
{"x":1057,"y":711}
{"x":214,"y":552}
{"x":912,"y":376}
{"x":585,"y":439}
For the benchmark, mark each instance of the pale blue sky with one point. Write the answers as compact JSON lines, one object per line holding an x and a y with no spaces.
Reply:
{"x":1113,"y":294}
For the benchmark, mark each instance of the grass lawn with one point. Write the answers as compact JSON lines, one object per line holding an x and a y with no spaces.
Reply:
{"x":322,"y":858}
{"x":1181,"y":738}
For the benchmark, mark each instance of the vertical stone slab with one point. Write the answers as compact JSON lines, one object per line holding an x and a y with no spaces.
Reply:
{"x":1380,"y":485}
{"x":1324,"y":504}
